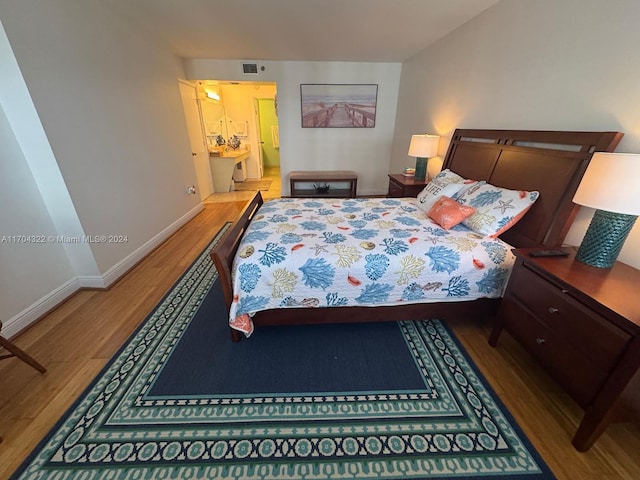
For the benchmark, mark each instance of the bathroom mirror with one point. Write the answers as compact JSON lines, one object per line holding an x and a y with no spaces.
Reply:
{"x":215,"y":121}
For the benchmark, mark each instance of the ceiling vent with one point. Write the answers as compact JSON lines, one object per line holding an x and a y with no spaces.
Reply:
{"x":250,"y":68}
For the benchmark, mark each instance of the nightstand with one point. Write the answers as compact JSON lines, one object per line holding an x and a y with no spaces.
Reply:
{"x":401,"y":186}
{"x":582,"y":324}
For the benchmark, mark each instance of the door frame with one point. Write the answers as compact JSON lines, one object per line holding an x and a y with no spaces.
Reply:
{"x":205,"y":181}
{"x":256,"y":112}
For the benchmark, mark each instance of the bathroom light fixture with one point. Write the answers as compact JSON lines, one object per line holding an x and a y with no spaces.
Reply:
{"x":610,"y":185}
{"x":423,"y":147}
{"x":213,"y":95}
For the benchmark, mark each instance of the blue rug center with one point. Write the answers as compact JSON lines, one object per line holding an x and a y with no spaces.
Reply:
{"x":309,"y":359}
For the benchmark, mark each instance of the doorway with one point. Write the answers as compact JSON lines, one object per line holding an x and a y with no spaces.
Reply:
{"x":244,"y":112}
{"x":269,"y":133}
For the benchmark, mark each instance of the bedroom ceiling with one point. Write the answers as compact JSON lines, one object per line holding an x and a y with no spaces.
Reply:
{"x":310,"y":30}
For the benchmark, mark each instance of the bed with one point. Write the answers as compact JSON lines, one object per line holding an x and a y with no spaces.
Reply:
{"x":317,"y":233}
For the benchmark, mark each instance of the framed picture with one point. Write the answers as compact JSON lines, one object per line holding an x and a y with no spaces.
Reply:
{"x":338,"y":105}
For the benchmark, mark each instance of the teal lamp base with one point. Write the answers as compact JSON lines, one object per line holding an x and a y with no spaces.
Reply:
{"x":604,"y":238}
{"x":421,"y":168}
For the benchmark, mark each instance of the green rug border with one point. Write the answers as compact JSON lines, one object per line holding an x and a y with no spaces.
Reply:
{"x":459,"y":349}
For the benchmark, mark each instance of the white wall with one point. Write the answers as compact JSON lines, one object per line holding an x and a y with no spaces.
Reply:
{"x":364,"y":150}
{"x":32,"y":267}
{"x":109,"y":105}
{"x":543,"y":65}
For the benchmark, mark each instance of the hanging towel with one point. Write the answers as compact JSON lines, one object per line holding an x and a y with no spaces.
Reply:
{"x":214,"y":128}
{"x":275,"y":137}
{"x":238,"y":128}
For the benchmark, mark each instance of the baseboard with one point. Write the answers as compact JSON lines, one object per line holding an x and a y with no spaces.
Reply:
{"x":130,"y":261}
{"x":22,"y":320}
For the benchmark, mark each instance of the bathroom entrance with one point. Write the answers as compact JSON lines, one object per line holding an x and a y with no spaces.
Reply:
{"x":241,"y":117}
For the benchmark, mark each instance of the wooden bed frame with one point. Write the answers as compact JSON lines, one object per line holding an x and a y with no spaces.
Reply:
{"x":551,"y":162}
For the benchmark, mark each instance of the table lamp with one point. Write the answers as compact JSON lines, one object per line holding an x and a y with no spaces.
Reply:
{"x":423,"y":147}
{"x":611,"y":185}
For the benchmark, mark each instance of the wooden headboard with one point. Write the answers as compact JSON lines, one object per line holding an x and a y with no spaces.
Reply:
{"x":551,"y":162}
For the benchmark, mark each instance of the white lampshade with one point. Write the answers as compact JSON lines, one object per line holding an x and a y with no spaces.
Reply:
{"x":424,"y":146}
{"x":611,"y":183}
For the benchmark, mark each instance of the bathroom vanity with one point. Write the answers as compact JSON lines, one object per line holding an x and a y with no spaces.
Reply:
{"x":223,"y":164}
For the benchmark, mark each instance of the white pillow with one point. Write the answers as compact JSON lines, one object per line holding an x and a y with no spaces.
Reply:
{"x":497,"y":209}
{"x":434,"y":190}
{"x":445,"y":183}
{"x":447,"y":176}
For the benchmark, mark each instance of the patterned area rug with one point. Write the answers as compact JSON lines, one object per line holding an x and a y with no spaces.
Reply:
{"x":253,"y":185}
{"x":366,"y":401}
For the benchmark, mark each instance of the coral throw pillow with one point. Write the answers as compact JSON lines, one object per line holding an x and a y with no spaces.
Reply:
{"x":448,"y":213}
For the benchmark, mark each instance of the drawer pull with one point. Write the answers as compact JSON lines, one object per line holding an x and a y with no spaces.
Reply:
{"x":540,"y":341}
{"x":553,"y":310}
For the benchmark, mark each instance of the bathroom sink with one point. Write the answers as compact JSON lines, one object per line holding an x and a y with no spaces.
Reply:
{"x":234,"y":153}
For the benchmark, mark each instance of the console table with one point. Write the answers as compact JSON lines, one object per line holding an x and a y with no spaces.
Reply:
{"x":301,"y":183}
{"x":582,"y":324}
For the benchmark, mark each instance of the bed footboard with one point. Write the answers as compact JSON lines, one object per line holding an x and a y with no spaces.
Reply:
{"x":224,"y":252}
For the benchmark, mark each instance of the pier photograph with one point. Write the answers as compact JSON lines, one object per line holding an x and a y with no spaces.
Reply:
{"x":344,"y":105}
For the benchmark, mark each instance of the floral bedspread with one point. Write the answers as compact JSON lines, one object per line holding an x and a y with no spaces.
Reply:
{"x":365,"y":252}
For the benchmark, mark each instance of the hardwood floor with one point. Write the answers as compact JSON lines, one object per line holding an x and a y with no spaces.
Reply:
{"x":76,"y":340}
{"x":270,"y":173}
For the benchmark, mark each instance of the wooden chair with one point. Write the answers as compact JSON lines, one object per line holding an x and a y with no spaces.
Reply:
{"x":14,"y":351}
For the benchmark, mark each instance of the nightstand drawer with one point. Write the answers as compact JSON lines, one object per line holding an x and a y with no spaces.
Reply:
{"x":395,"y":190}
{"x":582,"y":324}
{"x":581,"y":377}
{"x":401,"y":186}
{"x":577,"y":324}
{"x":413,"y":190}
